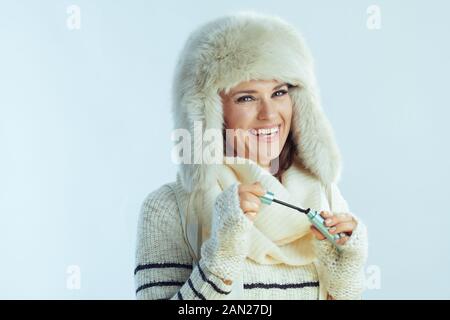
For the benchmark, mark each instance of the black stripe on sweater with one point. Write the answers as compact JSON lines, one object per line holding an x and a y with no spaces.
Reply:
{"x":161,"y":265}
{"x":215,"y":287}
{"x":198,"y":294}
{"x":280,"y":286}
{"x":180,"y":297}
{"x":158,"y":284}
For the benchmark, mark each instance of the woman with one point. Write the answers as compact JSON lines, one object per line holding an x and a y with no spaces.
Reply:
{"x":245,"y":94}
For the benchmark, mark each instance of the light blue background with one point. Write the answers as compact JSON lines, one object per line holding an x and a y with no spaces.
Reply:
{"x":85,"y":133}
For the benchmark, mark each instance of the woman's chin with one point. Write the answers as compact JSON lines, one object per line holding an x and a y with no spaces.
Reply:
{"x":264,"y":161}
{"x":264,"y":154}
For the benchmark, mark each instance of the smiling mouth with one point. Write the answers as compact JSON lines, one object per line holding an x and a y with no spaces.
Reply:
{"x":265,"y":132}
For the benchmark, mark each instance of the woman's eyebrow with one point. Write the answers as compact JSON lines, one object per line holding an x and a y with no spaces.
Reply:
{"x":279,"y":86}
{"x":254,"y":91}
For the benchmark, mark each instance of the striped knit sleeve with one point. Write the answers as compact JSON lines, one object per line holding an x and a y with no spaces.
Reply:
{"x":164,"y":267}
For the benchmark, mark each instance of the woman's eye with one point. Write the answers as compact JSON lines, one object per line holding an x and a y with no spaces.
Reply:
{"x":280,"y":93}
{"x":245,"y":99}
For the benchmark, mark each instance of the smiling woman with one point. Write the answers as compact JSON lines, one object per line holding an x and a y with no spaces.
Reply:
{"x":249,"y":78}
{"x":262,"y":110}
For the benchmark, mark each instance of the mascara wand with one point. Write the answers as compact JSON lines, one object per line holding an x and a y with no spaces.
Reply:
{"x":314,"y":217}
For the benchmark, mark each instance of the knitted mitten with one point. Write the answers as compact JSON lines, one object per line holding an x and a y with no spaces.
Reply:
{"x":345,"y":269}
{"x":225,"y":251}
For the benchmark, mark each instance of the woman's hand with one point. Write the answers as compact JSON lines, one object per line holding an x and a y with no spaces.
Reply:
{"x":344,"y":222}
{"x":249,"y":198}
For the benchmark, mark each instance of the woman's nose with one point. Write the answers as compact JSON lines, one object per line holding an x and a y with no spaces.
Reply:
{"x":267,"y":110}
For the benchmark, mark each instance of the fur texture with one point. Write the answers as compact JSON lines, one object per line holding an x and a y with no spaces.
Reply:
{"x":241,"y":47}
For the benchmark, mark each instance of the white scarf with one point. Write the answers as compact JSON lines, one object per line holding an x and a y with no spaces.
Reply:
{"x":279,"y":234}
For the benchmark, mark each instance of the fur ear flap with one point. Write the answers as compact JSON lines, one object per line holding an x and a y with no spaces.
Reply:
{"x":201,"y":171}
{"x":316,"y":145}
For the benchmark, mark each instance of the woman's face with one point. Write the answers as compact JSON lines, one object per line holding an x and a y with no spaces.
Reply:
{"x":260,"y":113}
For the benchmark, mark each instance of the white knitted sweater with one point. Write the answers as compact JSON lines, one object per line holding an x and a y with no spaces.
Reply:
{"x":165,"y":268}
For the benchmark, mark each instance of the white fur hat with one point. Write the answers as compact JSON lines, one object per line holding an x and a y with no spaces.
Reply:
{"x":245,"y":46}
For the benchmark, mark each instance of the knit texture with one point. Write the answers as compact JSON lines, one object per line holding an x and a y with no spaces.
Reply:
{"x":228,"y":248}
{"x":350,"y":283}
{"x":165,"y":268}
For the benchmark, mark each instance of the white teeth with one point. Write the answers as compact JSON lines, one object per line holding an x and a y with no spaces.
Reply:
{"x":264,"y":131}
